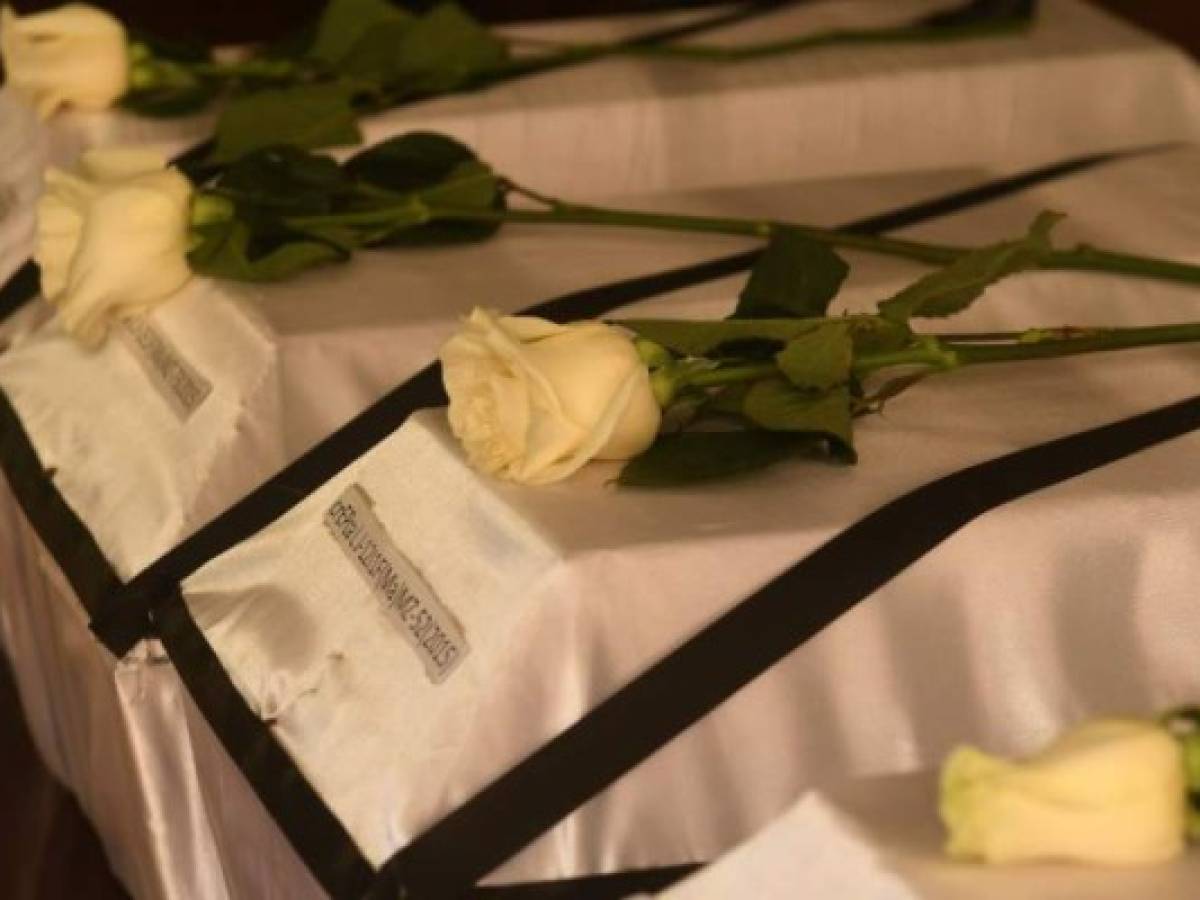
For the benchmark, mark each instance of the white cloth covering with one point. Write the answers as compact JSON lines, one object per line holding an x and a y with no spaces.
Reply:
{"x":637,"y":125}
{"x":1037,"y":613}
{"x":879,"y":839}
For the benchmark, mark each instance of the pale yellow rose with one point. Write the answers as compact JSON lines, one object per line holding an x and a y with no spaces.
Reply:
{"x":112,"y":238}
{"x":1111,"y":792}
{"x":533,"y":401}
{"x":74,"y":55}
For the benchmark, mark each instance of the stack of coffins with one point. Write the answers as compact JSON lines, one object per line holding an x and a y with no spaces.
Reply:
{"x":253,"y":716}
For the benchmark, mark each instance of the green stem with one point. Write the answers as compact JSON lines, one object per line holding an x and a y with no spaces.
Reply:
{"x":1080,"y":258}
{"x":571,"y":214}
{"x":947,"y":354}
{"x":1094,"y":341}
{"x":1089,"y":258}
{"x":729,"y":375}
{"x":560,"y":213}
{"x":267,"y":69}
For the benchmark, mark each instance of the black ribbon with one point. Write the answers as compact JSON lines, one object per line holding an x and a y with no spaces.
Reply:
{"x":19,"y":289}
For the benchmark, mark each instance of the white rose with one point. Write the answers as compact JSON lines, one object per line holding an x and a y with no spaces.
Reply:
{"x":75,"y":54}
{"x":533,"y":401}
{"x":1110,"y":791}
{"x":112,"y":240}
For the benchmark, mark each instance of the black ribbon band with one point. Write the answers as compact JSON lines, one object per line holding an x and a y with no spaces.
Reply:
{"x":19,"y":289}
{"x":124,"y":617}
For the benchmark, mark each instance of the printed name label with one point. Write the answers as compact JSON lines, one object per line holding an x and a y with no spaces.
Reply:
{"x":184,"y":389}
{"x":428,"y":626}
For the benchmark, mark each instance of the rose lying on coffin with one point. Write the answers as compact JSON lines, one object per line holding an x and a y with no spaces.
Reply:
{"x":357,"y":56}
{"x":1110,"y":791}
{"x":273,"y":213}
{"x":736,"y":395}
{"x":533,"y":401}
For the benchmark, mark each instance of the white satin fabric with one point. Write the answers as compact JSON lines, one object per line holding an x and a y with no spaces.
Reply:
{"x":289,"y":366}
{"x":1074,"y":601}
{"x":879,"y":839}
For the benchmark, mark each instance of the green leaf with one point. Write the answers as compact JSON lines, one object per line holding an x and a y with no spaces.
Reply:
{"x":235,"y":251}
{"x":795,"y":276}
{"x":727,"y":400}
{"x":818,"y":359}
{"x":346,"y":23}
{"x":433,"y":170}
{"x":373,"y":59}
{"x":411,"y":162}
{"x":444,"y":49}
{"x":703,"y":338}
{"x":698,"y":456}
{"x":307,"y":116}
{"x":872,"y":334}
{"x":778,"y":406}
{"x":285,"y":180}
{"x":955,"y":287}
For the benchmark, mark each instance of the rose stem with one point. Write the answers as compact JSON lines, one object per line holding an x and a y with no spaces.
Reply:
{"x":1084,"y":258}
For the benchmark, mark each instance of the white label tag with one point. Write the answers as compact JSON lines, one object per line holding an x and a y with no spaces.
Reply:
{"x":410,"y":603}
{"x":176,"y":379}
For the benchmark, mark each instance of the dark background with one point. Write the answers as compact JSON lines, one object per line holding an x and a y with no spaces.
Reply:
{"x":245,"y":20}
